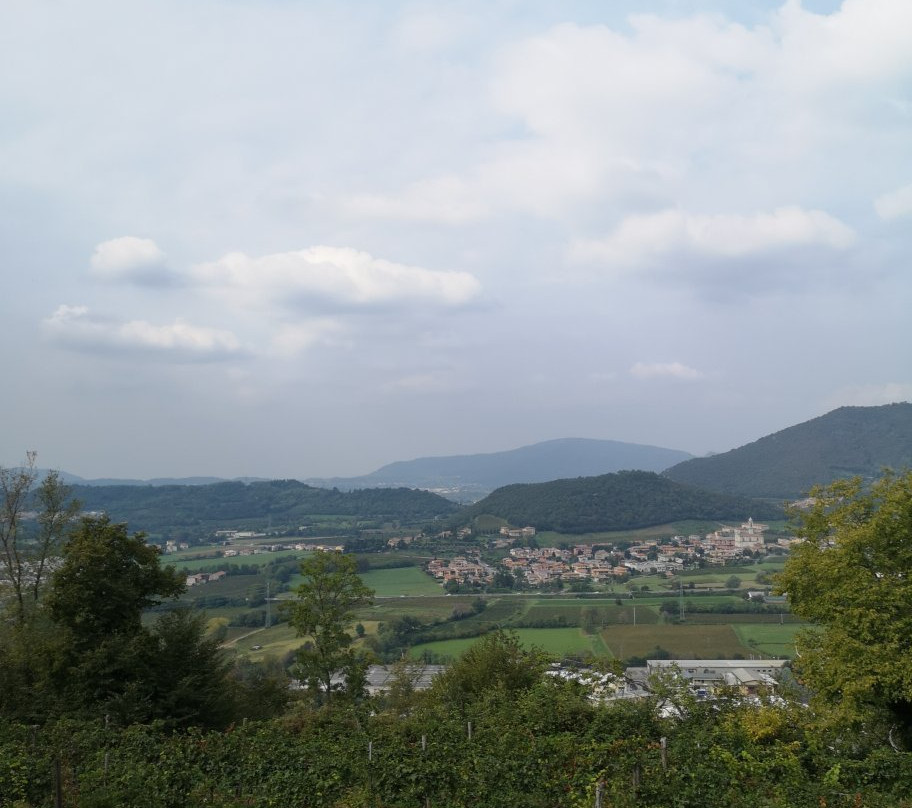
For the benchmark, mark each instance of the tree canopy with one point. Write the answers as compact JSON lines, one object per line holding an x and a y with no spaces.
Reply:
{"x":107,"y":579}
{"x":852,"y":575}
{"x":324,"y":610}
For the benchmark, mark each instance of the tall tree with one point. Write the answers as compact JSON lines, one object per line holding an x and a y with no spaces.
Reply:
{"x":323,"y":611}
{"x":24,"y":558}
{"x":852,"y":576}
{"x":106,"y":580}
{"x":108,"y":662}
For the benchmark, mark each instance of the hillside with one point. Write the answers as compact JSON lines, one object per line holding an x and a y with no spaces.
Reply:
{"x":622,"y":501}
{"x":279,"y":502}
{"x":846,"y":442}
{"x":468,"y":477}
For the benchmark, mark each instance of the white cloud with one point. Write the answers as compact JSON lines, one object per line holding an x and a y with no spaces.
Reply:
{"x":862,"y":41}
{"x":895,"y":204}
{"x":336,"y":275}
{"x":130,"y":258}
{"x":665,"y":370}
{"x":76,"y":327}
{"x":872,"y":395}
{"x":642,"y":239}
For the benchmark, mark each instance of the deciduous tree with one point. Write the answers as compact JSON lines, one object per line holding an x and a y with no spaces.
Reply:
{"x":324,"y":611}
{"x":24,"y":556}
{"x":106,"y":580}
{"x":852,"y":576}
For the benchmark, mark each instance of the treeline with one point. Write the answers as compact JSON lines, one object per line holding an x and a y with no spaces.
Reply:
{"x":622,"y":501}
{"x":285,"y":502}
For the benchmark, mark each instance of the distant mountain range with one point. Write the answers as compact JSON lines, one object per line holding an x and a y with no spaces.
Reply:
{"x":571,"y":485}
{"x":73,"y":479}
{"x":467,"y":478}
{"x":785,"y":465}
{"x":848,"y":442}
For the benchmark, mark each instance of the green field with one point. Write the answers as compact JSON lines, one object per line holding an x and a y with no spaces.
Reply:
{"x":556,"y":641}
{"x":682,"y":641}
{"x":189,"y":563}
{"x":388,"y":583}
{"x":770,"y":640}
{"x":426,"y":608}
{"x":604,"y":612}
{"x":623,"y":626}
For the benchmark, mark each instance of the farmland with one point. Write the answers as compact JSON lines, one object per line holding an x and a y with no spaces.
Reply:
{"x":399,"y":581}
{"x":692,"y":615}
{"x":555,"y":641}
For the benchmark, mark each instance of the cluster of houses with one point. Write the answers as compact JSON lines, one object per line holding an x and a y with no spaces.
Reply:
{"x":205,"y":577}
{"x":605,"y":563}
{"x":461,"y":570}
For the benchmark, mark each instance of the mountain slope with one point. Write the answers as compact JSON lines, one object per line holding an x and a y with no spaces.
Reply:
{"x":622,"y":501}
{"x":283,"y":502}
{"x":477,"y":474}
{"x":785,"y":465}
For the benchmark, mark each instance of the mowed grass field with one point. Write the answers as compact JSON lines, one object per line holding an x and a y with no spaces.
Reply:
{"x":770,"y":640}
{"x":389,"y":583}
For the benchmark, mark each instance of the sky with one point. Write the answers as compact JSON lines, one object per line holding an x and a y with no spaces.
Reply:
{"x":280,"y":238}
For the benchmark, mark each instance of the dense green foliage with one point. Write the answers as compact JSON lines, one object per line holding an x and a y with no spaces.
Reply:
{"x":324,"y":611}
{"x":84,"y":652}
{"x":202,"y":508}
{"x":517,"y":739}
{"x":848,"y":442}
{"x":622,"y":501}
{"x":851,"y":576}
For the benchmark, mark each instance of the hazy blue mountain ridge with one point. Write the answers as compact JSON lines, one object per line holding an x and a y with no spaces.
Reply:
{"x":478,"y":474}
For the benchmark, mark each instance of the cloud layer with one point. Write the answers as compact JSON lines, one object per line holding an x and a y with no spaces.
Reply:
{"x":314,"y":240}
{"x":337,"y":276}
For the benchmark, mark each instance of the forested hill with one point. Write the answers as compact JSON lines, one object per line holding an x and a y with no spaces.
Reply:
{"x":469,"y":477}
{"x":622,"y":501}
{"x":846,"y":442}
{"x":153,"y":508}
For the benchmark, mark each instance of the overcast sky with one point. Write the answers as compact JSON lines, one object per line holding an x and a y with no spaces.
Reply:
{"x":290,"y":239}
